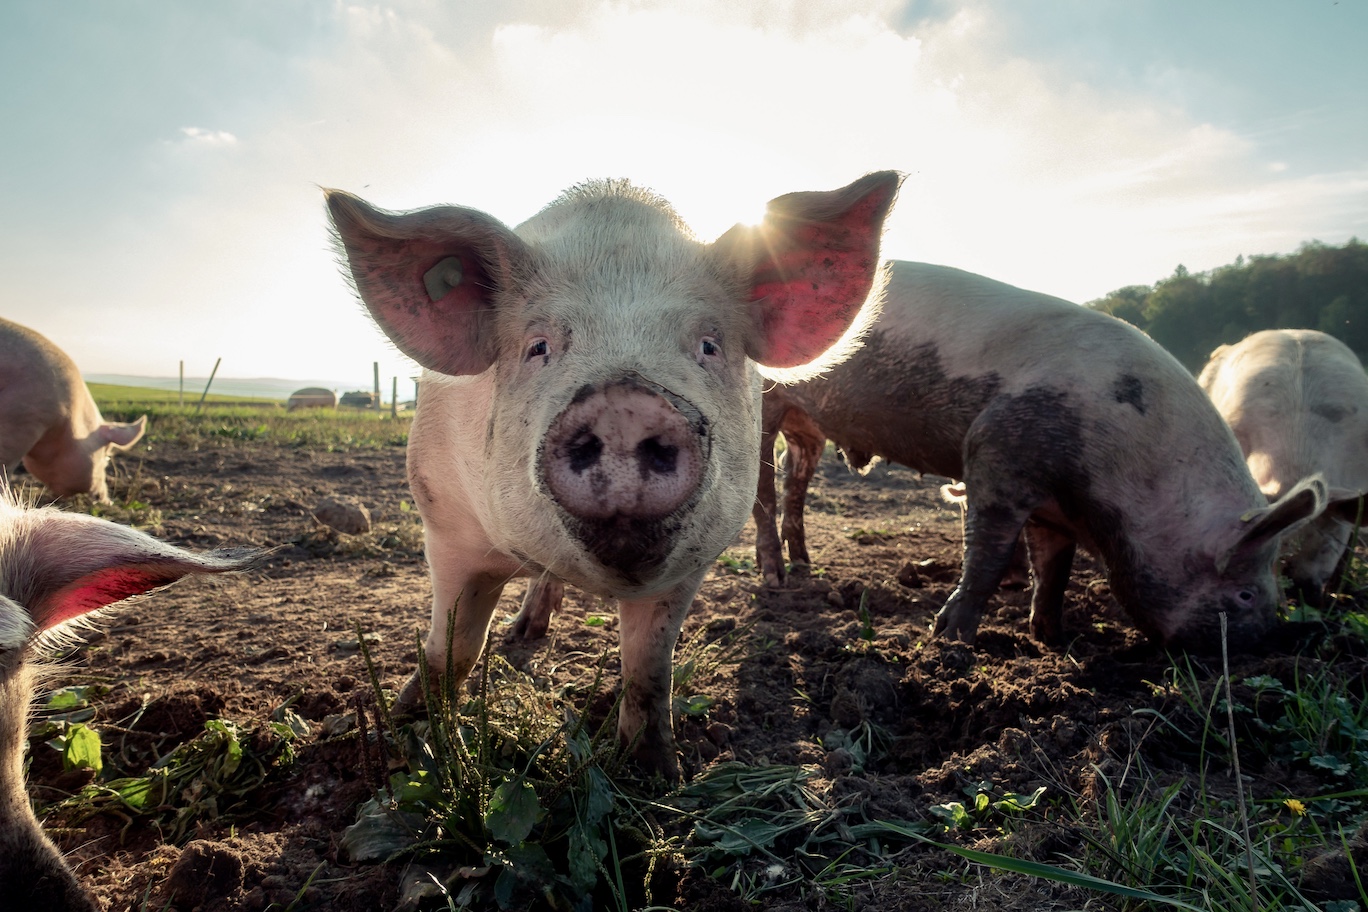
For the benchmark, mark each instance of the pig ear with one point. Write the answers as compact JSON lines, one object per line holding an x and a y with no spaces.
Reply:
{"x":123,"y":436}
{"x":429,"y":277}
{"x":1304,"y":502}
{"x":63,"y":565}
{"x":811,"y":265}
{"x":1348,"y":505}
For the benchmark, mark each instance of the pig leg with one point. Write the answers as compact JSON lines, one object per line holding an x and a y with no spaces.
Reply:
{"x":993,"y":520}
{"x":805,"y":443}
{"x":1052,"y":553}
{"x":769,"y":552}
{"x":650,"y":628}
{"x":463,"y":603}
{"x":544,"y":595}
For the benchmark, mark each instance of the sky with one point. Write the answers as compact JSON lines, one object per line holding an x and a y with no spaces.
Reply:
{"x":161,"y":162}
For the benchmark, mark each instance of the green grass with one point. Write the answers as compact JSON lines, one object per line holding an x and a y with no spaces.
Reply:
{"x":112,"y":394}
{"x":226,"y":420}
{"x":323,"y":429}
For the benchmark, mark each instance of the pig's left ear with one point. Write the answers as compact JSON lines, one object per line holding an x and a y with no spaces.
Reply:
{"x":1304,"y":502}
{"x":64,"y":565}
{"x":811,"y":265}
{"x":123,"y":436}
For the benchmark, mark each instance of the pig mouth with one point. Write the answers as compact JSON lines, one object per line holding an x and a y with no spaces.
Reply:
{"x":630,"y":547}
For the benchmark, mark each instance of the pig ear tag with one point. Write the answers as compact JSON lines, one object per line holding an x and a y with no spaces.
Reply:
{"x":443,"y":277}
{"x":1250,"y":514}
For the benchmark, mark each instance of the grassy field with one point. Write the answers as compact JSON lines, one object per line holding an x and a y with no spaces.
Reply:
{"x":110,"y":394}
{"x":235,"y":418}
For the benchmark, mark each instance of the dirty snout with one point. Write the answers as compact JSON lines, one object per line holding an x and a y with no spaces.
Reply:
{"x":625,"y":460}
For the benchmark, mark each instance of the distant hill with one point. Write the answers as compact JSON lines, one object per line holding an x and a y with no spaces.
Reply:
{"x":248,"y":388}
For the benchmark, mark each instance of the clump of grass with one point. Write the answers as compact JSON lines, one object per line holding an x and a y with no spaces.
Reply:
{"x":206,"y":778}
{"x":506,"y":799}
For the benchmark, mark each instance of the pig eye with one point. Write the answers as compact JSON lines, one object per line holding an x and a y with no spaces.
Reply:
{"x":1245,"y":597}
{"x":539,"y":348}
{"x":708,"y":347}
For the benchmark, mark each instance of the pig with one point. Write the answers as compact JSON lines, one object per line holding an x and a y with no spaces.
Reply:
{"x":1297,"y":401}
{"x":49,"y":421}
{"x":590,"y":402}
{"x":56,"y":567}
{"x":1063,"y":422}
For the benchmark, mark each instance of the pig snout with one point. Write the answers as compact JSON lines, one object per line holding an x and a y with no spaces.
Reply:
{"x":622,"y":459}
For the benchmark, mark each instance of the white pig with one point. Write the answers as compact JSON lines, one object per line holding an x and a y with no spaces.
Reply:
{"x":56,"y":567}
{"x":1060,"y":420}
{"x":1297,"y":400}
{"x":591,"y":404}
{"x":49,"y":421}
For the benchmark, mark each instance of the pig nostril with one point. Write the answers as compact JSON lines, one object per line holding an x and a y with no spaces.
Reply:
{"x":657,"y":457}
{"x":584,"y":452}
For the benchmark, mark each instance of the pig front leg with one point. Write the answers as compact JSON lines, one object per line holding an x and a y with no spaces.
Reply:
{"x":805,"y":442}
{"x":1052,"y":553}
{"x":769,"y":552}
{"x":650,"y":628}
{"x":990,"y":536}
{"x":544,"y":596}
{"x":463,"y":603}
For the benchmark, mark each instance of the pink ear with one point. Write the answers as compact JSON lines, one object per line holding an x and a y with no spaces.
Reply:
{"x":123,"y":436}
{"x":429,"y":277}
{"x":63,"y":565}
{"x":813,"y":263}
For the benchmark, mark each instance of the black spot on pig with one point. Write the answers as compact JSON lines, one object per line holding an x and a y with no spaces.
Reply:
{"x":1129,"y":390}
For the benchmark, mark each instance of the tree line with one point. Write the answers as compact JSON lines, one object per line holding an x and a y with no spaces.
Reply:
{"x":1318,"y":287}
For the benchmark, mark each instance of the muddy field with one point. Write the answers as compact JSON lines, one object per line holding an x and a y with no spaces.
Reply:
{"x":1007,"y":711}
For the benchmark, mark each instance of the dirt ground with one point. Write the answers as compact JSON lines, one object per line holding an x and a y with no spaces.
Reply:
{"x":1008,"y":710}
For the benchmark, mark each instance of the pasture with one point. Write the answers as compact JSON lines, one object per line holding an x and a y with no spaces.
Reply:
{"x":834,"y":756}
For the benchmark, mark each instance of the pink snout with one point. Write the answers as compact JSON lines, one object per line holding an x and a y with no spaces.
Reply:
{"x":622,"y":459}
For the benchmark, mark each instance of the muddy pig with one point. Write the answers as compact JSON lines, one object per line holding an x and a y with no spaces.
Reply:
{"x":56,"y":567}
{"x":1064,"y":422}
{"x":1297,"y":400}
{"x":48,"y":420}
{"x":590,"y":405}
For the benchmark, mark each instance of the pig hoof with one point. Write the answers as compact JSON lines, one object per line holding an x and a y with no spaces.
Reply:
{"x":527,"y":629}
{"x":958,"y":632}
{"x":412,"y":697}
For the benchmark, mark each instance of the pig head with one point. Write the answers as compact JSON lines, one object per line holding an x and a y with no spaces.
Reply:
{"x":591,"y":402}
{"x":55,"y":567}
{"x":1297,"y":400}
{"x":49,"y":420}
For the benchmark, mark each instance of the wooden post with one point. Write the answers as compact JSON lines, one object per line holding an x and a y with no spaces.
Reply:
{"x":217,"y":362}
{"x":376,"y":365}
{"x":394,"y":399}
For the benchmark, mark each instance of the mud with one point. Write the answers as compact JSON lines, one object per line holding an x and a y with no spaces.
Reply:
{"x":843,"y":645}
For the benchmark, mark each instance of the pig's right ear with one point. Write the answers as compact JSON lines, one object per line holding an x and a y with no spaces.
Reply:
{"x":811,"y":265}
{"x":1302,"y":503}
{"x":63,"y":565}
{"x":429,"y":277}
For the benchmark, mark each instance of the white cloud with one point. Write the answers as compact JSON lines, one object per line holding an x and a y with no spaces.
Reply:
{"x":1016,"y":170}
{"x":199,"y":137}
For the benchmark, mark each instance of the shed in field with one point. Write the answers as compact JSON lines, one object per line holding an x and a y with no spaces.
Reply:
{"x":311,"y":397}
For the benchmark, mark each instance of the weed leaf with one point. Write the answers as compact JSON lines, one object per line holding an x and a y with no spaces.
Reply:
{"x":513,"y":811}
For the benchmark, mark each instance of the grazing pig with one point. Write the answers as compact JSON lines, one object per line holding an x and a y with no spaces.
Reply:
{"x":591,"y":403}
{"x":55,"y":567}
{"x":48,"y":420}
{"x":1297,"y":401}
{"x":1064,"y":422}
